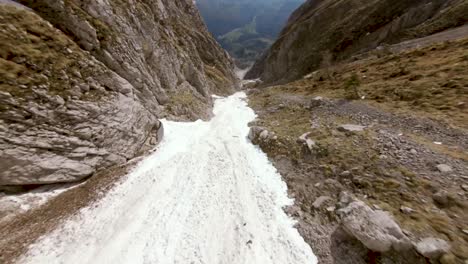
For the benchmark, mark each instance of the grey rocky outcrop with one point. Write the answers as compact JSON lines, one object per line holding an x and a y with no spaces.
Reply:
{"x":85,"y":91}
{"x":259,"y":135}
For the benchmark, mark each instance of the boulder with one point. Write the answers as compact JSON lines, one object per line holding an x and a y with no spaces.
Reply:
{"x":255,"y":132}
{"x":406,"y":210}
{"x":441,"y":198}
{"x":317,"y":102}
{"x":432,"y":248}
{"x":375,"y":229}
{"x":351,"y":128}
{"x":308,"y":142}
{"x":264,"y":135}
{"x":260,"y":135}
{"x":444,"y":168}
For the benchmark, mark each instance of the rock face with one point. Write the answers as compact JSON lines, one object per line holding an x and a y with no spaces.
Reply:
{"x":83,"y":83}
{"x":323,"y":31}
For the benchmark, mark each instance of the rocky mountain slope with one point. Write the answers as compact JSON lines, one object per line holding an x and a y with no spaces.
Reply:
{"x":83,"y":83}
{"x":321,"y":32}
{"x":390,"y":130}
{"x":367,"y":123}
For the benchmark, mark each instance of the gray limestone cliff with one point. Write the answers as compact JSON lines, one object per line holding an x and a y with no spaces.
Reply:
{"x":83,"y":83}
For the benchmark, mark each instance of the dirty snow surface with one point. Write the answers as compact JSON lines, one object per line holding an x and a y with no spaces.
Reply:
{"x":206,"y":195}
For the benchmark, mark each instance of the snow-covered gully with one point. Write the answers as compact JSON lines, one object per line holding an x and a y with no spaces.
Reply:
{"x":207,"y":195}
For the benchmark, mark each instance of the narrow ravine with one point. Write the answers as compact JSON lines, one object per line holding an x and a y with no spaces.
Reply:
{"x":206,"y":195}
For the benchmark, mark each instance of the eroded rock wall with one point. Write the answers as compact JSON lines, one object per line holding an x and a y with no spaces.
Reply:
{"x":83,"y":83}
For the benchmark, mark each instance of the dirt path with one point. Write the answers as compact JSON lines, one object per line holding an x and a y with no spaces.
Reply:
{"x":447,"y":35}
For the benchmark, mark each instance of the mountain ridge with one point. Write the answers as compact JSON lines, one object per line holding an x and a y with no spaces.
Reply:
{"x":343,"y":33}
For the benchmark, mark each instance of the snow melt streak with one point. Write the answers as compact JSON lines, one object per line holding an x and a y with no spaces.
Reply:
{"x":207,"y":195}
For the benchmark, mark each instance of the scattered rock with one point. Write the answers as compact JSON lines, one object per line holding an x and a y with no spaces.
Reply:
{"x":345,"y":174}
{"x":465,"y":187}
{"x":255,"y":132}
{"x":406,"y":210}
{"x":260,"y":135}
{"x":334,"y":184}
{"x":441,"y":198}
{"x":432,"y":248}
{"x":444,"y":168}
{"x":317,"y":102}
{"x":84,"y":87}
{"x":303,"y":137}
{"x":461,"y":105}
{"x":264,"y":135}
{"x":307,"y":142}
{"x":351,"y":128}
{"x":320,"y":201}
{"x":345,"y":199}
{"x":76,"y":73}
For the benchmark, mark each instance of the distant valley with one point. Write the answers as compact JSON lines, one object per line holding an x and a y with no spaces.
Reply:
{"x":246,"y":28}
